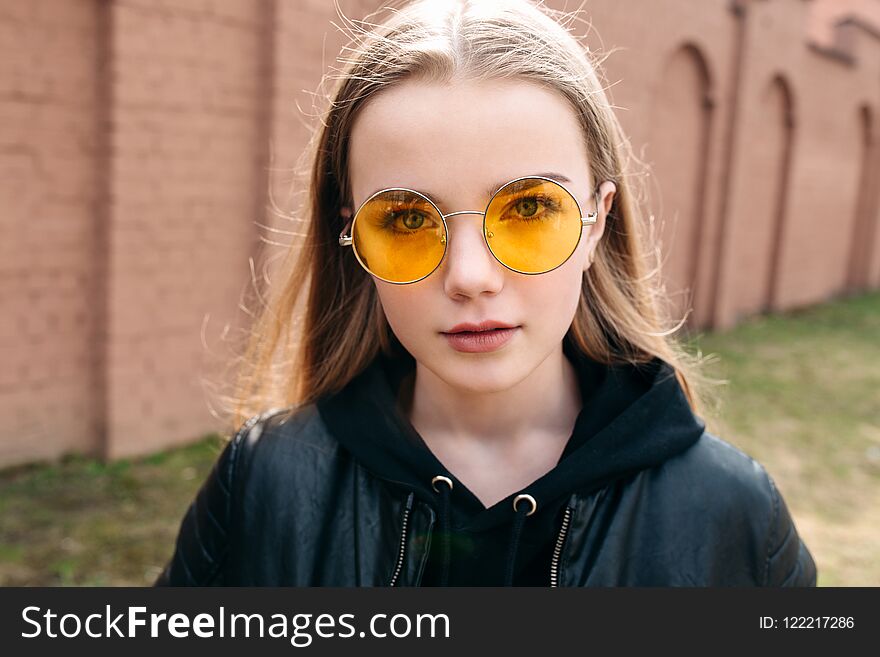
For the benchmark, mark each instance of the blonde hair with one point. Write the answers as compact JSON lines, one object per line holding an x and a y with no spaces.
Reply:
{"x":620,"y":316}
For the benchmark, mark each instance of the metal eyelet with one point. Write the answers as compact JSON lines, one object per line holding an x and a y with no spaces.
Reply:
{"x":445,"y":480}
{"x":525,"y":496}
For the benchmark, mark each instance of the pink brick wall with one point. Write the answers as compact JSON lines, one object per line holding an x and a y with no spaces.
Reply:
{"x":826,"y":94}
{"x":687,"y":75}
{"x":137,"y":139}
{"x":825,"y":13}
{"x":48,"y":192}
{"x":187,"y":144}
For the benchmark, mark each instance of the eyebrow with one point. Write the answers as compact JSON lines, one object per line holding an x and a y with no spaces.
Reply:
{"x":558,"y":177}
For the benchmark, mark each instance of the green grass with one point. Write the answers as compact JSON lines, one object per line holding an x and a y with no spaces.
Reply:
{"x":803,"y":399}
{"x":82,"y":522}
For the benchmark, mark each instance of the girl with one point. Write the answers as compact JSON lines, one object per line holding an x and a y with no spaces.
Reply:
{"x":484,"y":391}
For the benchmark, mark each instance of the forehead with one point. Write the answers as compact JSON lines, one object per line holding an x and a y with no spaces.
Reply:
{"x":454,"y":141}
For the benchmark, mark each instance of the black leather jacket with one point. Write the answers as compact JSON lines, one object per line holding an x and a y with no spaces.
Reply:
{"x":287,"y":505}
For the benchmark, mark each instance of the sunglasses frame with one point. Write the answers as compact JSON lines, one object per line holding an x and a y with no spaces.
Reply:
{"x":588,"y":220}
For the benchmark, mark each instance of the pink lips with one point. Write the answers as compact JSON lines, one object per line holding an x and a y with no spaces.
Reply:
{"x":478,"y":338}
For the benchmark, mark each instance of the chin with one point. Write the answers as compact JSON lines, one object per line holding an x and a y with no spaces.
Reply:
{"x":480,"y":375}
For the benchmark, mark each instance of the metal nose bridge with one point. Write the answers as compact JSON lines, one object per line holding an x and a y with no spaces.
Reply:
{"x":452,"y":214}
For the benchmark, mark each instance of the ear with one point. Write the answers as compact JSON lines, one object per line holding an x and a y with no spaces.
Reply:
{"x":606,"y":198}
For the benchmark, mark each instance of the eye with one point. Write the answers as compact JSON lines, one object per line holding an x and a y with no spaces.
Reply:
{"x":531,"y":208}
{"x":413,"y":220}
{"x":527,"y":206}
{"x":407,"y":222}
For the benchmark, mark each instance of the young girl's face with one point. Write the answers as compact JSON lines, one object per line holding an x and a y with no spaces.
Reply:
{"x":453,"y":143}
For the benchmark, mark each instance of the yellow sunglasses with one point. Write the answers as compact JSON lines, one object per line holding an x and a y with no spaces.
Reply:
{"x":532,"y":225}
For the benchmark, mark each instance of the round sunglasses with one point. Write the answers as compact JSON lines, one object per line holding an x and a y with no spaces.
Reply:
{"x":531,"y":225}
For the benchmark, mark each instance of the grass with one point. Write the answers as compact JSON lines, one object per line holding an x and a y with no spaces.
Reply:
{"x":803,"y":399}
{"x":83,"y":523}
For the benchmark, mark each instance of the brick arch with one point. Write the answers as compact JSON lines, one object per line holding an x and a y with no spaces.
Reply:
{"x":778,"y":103}
{"x":678,"y":150}
{"x":863,"y":249}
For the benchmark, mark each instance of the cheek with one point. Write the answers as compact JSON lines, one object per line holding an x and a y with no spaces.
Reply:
{"x":554,"y":301}
{"x":555,"y":295}
{"x":553,"y":312}
{"x":407,"y":313}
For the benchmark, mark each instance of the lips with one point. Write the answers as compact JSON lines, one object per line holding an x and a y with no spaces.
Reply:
{"x":480,"y":341}
{"x":486,"y":336}
{"x":486,"y":325}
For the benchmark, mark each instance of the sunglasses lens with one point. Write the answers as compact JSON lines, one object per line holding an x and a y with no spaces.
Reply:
{"x":533,"y":225}
{"x":399,"y":236}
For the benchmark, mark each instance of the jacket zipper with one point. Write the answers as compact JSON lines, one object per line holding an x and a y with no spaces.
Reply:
{"x":402,"y":549}
{"x":557,"y":551}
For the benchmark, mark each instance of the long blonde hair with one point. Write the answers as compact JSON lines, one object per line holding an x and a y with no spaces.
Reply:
{"x":324,"y":324}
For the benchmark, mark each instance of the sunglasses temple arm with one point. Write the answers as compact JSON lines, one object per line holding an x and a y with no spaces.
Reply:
{"x":345,"y":240}
{"x":592,"y":217}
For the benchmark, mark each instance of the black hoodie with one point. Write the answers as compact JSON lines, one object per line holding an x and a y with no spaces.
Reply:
{"x":633,"y":418}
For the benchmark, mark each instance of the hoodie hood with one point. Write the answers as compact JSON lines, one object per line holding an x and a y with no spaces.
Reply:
{"x":632,"y":418}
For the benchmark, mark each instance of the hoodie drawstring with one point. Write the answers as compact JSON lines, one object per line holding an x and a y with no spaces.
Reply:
{"x":444,"y":523}
{"x":521,"y":510}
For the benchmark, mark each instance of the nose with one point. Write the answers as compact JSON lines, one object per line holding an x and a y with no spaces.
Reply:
{"x":469,"y":268}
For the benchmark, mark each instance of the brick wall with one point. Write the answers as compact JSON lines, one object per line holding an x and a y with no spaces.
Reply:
{"x":48,"y":198}
{"x":139,"y":139}
{"x":824,"y":14}
{"x":187,"y":142}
